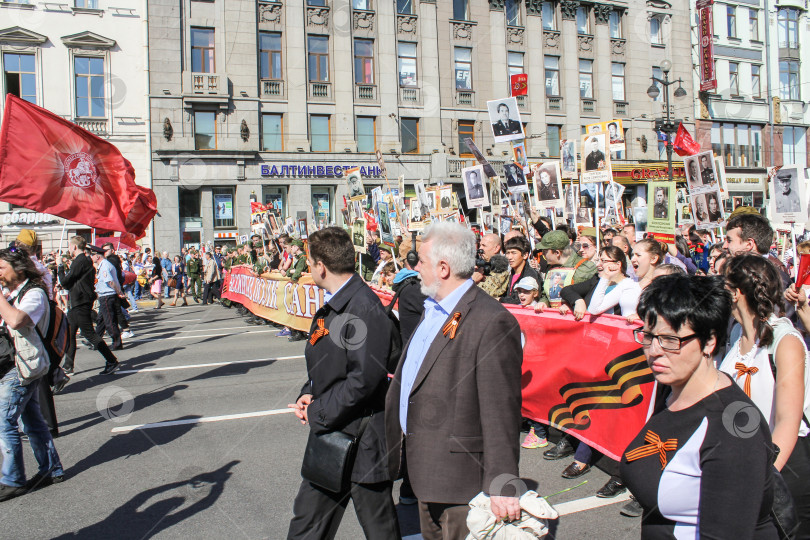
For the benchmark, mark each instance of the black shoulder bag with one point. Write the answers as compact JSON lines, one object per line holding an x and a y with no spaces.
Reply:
{"x":329,"y":458}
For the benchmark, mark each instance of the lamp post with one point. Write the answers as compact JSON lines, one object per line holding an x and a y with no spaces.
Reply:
{"x":666,"y":125}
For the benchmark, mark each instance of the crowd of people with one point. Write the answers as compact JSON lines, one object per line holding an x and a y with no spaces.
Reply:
{"x":721,"y":324}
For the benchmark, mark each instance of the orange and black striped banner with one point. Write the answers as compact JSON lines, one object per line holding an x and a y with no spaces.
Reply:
{"x":588,"y":378}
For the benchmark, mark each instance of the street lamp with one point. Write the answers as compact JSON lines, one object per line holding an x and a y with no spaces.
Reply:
{"x":666,"y":125}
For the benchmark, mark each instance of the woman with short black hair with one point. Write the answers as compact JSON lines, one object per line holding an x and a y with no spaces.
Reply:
{"x":689,"y":467}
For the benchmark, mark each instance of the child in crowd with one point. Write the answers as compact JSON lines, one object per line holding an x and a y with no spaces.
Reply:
{"x":528,"y":292}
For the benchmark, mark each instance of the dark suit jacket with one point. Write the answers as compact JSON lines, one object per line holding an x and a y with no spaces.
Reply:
{"x":348,"y":374}
{"x":464,"y":409}
{"x":79,"y":281}
{"x":511,"y":128}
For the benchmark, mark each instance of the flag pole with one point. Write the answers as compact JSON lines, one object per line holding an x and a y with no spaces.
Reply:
{"x":62,"y":236}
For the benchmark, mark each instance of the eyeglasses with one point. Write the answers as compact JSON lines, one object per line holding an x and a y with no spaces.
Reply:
{"x":585,"y":246}
{"x":607,"y":261}
{"x":668,"y":343}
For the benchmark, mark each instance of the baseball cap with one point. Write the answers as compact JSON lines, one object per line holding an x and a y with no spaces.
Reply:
{"x":554,"y":240}
{"x":297,"y":242}
{"x":527,"y":284}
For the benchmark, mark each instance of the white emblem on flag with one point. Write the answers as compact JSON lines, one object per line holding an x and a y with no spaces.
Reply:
{"x":80,"y":170}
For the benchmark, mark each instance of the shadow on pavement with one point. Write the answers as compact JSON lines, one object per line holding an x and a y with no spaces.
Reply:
{"x":157,"y":509}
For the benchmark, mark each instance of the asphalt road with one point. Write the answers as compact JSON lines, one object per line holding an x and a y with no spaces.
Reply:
{"x":191,"y":439}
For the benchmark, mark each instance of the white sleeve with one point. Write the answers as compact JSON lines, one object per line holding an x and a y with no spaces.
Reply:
{"x":35,"y":304}
{"x":625,"y":294}
{"x":629,"y":296}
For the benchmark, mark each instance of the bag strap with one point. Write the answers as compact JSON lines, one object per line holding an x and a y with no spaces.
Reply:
{"x":390,"y":307}
{"x":773,"y":371}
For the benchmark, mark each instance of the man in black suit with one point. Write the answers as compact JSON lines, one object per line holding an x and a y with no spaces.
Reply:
{"x":453,"y":407}
{"x":707,"y":174}
{"x":347,"y":371}
{"x":548,"y":188}
{"x":475,"y":189}
{"x":79,"y":281}
{"x":596,"y":158}
{"x":505,"y":125}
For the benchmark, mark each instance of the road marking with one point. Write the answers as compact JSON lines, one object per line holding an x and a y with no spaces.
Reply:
{"x":588,"y":503}
{"x":198,"y":330}
{"x":166,"y":320}
{"x":212,"y":364}
{"x":202,"y":420}
{"x":204,"y":335}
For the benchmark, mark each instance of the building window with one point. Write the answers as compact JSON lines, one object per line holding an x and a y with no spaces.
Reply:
{"x":463,"y":57}
{"x":202,"y":50}
{"x":731,"y":21}
{"x":656,"y":34}
{"x":405,"y":7}
{"x":583,"y":24}
{"x":515,"y":62}
{"x":461,"y":10}
{"x":794,"y":147}
{"x":753,"y":24}
{"x":316,"y":2}
{"x":205,"y":130}
{"x":617,"y":78}
{"x":466,"y":130}
{"x":738,"y":144}
{"x":270,"y":55}
{"x":366,"y":134}
{"x":89,"y":86}
{"x":189,"y":203}
{"x":363,"y":61}
{"x":615,"y":24}
{"x":733,"y":78}
{"x":409,"y":135}
{"x":756,"y":81}
{"x":318,"y":47}
{"x":553,"y":137}
{"x":223,"y":208}
{"x":789,"y":80}
{"x":585,"y":79}
{"x":512,"y":12}
{"x":406,"y":63}
{"x":552,"y":66}
{"x":87,"y":4}
{"x":549,"y":16}
{"x":272,"y":126}
{"x":658,"y":74}
{"x":320,"y":136}
{"x":788,"y":28}
{"x":362,"y":4}
{"x":20,"y":75}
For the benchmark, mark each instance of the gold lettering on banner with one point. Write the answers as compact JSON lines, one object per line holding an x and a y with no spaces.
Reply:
{"x":311,"y":298}
{"x":271,"y":285}
{"x":297,"y":302}
{"x":289,"y":285}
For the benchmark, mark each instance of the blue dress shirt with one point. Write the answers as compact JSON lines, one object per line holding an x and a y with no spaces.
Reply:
{"x":436,"y":313}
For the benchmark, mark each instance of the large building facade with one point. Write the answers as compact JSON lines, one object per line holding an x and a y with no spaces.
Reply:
{"x":271,"y":101}
{"x":756,"y":117}
{"x":86,"y":61}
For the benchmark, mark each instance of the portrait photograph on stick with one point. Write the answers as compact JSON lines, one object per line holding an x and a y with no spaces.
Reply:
{"x":788,"y":195}
{"x":504,"y":118}
{"x":515,"y":179}
{"x":548,"y":185}
{"x":474,"y":187}
{"x":355,"y":183}
{"x":488,"y":170}
{"x":568,"y":158}
{"x":595,"y":159}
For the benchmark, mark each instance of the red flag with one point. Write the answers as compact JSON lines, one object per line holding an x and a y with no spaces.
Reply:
{"x":371,"y":222}
{"x":142,"y":212}
{"x":520,"y":84}
{"x":803,"y":276}
{"x":684,"y":144}
{"x":256,"y":207}
{"x":51,"y":165}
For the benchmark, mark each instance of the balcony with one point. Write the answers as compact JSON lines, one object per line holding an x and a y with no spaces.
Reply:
{"x":409,"y":95}
{"x":465,"y":98}
{"x":321,"y":91}
{"x":523,"y":103}
{"x":588,"y":106}
{"x":455,"y":165}
{"x":620,"y":108}
{"x":205,"y":87}
{"x":97,"y":126}
{"x":365,"y":92}
{"x":554,"y":103}
{"x":205,"y":83}
{"x":272,"y":88}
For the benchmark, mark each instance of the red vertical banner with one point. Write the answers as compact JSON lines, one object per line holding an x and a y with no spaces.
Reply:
{"x":708,"y":78}
{"x":520,"y":84}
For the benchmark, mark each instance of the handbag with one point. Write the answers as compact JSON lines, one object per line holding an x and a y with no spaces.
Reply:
{"x":329,"y":457}
{"x":172,"y":283}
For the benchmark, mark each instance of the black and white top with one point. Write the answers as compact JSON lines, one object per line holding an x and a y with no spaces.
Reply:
{"x":713,"y":476}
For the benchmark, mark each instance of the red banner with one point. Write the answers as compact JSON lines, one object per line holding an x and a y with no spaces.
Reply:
{"x":708,"y":78}
{"x":520,"y":84}
{"x":803,"y":275}
{"x":684,"y":144}
{"x":587,"y":378}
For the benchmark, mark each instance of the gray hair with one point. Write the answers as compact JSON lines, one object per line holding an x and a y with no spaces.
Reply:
{"x":454,"y":244}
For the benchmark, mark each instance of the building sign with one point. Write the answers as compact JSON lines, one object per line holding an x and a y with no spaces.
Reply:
{"x":28,"y":218}
{"x":333,"y":170}
{"x":708,"y":79}
{"x":744,"y":183}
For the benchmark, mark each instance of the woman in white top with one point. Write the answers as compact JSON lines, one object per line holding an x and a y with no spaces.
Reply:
{"x":614,"y":287}
{"x":768,"y":359}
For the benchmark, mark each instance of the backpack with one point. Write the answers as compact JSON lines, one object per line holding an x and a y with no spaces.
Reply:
{"x":55,"y":339}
